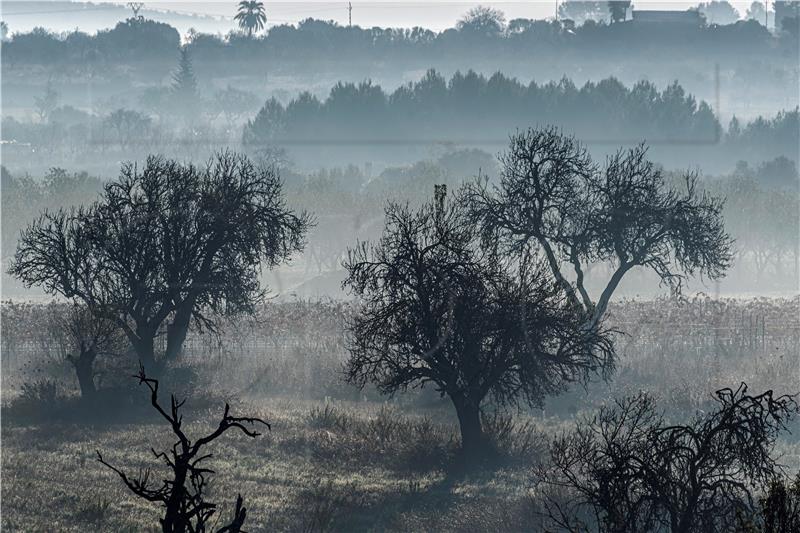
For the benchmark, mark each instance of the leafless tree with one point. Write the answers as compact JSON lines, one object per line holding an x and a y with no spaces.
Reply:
{"x":554,"y":201}
{"x":780,"y":507}
{"x":439,"y":307}
{"x":87,"y":338}
{"x":630,"y":470}
{"x":166,"y":244}
{"x":182,"y":497}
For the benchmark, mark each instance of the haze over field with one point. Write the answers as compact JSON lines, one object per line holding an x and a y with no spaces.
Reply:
{"x":450,"y":268}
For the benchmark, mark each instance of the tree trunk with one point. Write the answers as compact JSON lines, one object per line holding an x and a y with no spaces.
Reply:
{"x":84,"y":370}
{"x":176,"y":332}
{"x":145,"y":351}
{"x":174,"y":521}
{"x":469,"y":420}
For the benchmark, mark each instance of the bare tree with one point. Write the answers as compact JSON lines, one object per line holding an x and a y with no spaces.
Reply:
{"x":166,"y":244}
{"x":182,"y":497}
{"x":631,"y":470}
{"x":553,"y":201}
{"x":439,"y":307}
{"x":47,"y":102}
{"x":87,"y":338}
{"x":780,"y":507}
{"x":128,"y":126}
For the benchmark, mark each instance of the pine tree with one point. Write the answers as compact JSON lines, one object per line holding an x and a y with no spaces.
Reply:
{"x":184,"y":84}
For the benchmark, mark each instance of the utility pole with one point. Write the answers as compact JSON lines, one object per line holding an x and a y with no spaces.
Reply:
{"x":349,"y":14}
{"x":135,"y":7}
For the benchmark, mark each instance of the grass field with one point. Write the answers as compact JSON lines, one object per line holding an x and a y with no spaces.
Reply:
{"x":362,"y":467}
{"x":338,"y":459}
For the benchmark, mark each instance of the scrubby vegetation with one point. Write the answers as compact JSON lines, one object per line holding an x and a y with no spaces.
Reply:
{"x":349,"y":460}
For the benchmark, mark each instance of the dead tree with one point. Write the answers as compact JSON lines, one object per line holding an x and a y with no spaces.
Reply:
{"x":182,"y":497}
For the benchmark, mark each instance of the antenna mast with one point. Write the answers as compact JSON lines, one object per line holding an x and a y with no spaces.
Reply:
{"x":136,"y":7}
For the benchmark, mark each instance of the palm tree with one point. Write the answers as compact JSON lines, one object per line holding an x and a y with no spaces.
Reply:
{"x":251,"y":16}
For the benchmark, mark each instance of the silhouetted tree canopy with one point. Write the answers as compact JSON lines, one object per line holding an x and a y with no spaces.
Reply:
{"x":580,"y":11}
{"x":779,"y":134}
{"x":24,"y":196}
{"x":184,"y":83}
{"x":166,"y":244}
{"x":718,"y":12}
{"x":139,"y":39}
{"x":628,"y":469}
{"x":483,"y":20}
{"x":251,"y":16}
{"x":554,"y":201}
{"x":440,"y":307}
{"x":757,"y":12}
{"x":471,"y":107}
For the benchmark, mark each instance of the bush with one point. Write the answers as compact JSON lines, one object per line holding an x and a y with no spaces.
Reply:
{"x":39,"y":399}
{"x":323,"y":505}
{"x":329,"y":417}
{"x":425,"y":446}
{"x":512,"y":440}
{"x":400,"y":442}
{"x":383,"y":428}
{"x":95,"y":511}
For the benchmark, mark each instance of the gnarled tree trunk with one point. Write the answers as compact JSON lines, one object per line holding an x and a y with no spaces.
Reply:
{"x":84,"y":370}
{"x":144,"y":346}
{"x":473,"y":442}
{"x":177,"y":331}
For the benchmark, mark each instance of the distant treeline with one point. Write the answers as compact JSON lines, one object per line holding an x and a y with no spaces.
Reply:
{"x":473,"y":108}
{"x":136,"y":40}
{"x":760,"y":211}
{"x":361,"y":122}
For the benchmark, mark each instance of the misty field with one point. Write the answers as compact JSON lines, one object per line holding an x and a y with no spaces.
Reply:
{"x":339,"y":459}
{"x":373,"y":470}
{"x":522,"y":269}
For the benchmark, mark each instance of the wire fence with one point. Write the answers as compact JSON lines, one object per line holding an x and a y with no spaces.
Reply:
{"x":283,"y":330}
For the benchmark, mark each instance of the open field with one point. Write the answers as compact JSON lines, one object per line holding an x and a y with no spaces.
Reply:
{"x":373,"y":470}
{"x":338,"y":459}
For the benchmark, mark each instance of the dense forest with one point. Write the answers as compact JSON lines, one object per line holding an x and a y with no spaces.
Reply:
{"x":361,"y":123}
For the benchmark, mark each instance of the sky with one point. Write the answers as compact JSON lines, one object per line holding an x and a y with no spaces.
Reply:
{"x":22,"y":15}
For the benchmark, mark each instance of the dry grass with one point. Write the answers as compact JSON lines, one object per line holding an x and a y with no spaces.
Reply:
{"x":361,"y":467}
{"x":354,"y":463}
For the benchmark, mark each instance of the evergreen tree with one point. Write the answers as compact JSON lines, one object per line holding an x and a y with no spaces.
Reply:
{"x":184,"y":84}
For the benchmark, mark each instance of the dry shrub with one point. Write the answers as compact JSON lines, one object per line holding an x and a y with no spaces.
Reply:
{"x":42,"y":399}
{"x":382,"y":429}
{"x":513,"y":440}
{"x":324,"y":505}
{"x":389,"y":438}
{"x":94,"y":511}
{"x":329,"y":418}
